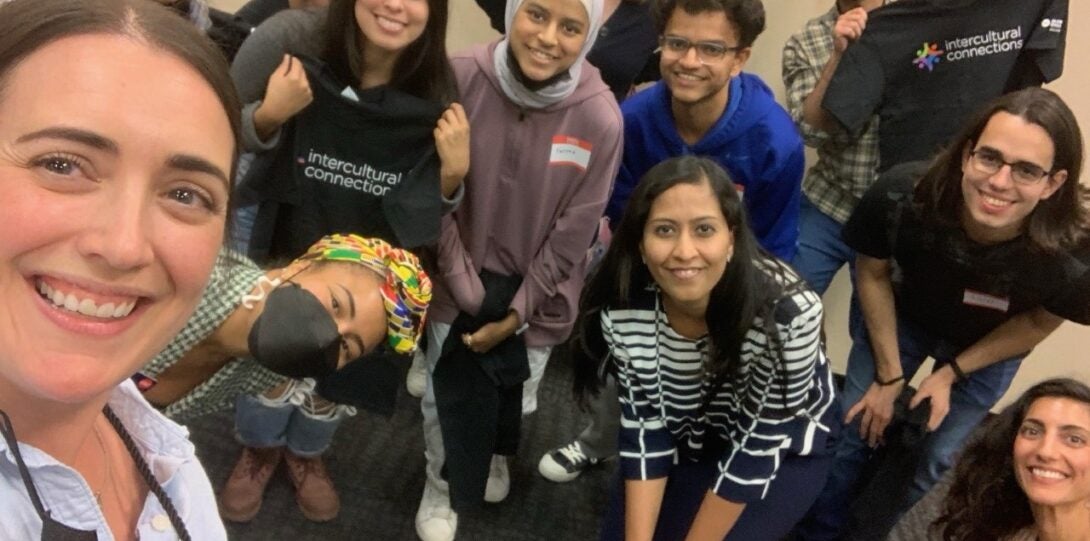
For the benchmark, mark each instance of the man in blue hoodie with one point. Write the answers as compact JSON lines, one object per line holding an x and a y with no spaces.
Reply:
{"x":705,"y":105}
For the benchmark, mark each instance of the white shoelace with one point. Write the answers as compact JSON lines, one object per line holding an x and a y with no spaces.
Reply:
{"x":573,"y":452}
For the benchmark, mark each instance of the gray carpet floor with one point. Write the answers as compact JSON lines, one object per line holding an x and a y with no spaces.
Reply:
{"x":377,"y":464}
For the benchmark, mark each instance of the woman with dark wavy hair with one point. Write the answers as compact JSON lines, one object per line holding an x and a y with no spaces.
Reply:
{"x":727,"y":405}
{"x":1027,"y":475}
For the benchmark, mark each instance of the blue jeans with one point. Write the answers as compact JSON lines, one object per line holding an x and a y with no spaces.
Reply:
{"x":242,"y":225}
{"x":969,"y":404}
{"x":822,"y":250}
{"x":263,"y":423}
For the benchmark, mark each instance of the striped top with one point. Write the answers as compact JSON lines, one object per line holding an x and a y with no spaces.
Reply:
{"x":780,"y":410}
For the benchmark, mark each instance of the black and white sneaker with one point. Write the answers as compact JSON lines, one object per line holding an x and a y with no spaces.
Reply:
{"x":565,"y":463}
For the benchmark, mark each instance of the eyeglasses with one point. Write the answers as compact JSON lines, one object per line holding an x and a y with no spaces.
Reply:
{"x":989,"y":162}
{"x":706,"y":51}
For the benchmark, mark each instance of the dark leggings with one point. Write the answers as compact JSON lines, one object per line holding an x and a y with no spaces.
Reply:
{"x":794,"y":489}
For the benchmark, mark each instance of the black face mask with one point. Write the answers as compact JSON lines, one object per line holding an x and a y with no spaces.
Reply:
{"x":295,"y":336}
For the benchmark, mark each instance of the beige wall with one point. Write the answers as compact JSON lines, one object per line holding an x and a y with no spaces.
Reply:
{"x":1060,"y":354}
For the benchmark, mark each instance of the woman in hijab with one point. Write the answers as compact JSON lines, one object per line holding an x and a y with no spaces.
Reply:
{"x":513,"y":256}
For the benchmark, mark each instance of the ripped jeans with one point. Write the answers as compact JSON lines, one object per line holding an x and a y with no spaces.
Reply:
{"x":294,"y":417}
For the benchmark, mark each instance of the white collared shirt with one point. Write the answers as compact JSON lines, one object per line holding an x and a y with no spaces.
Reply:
{"x":164,"y":445}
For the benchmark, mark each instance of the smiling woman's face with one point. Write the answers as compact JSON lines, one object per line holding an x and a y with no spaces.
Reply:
{"x":687,"y":244}
{"x":1052,"y":453}
{"x":113,"y":168}
{"x":547,"y":35}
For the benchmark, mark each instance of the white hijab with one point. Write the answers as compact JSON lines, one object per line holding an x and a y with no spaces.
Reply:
{"x":556,"y":92}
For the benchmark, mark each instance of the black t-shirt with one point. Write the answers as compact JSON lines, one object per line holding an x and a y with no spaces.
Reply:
{"x":364,"y":165}
{"x":952,"y":287}
{"x":924,"y":66}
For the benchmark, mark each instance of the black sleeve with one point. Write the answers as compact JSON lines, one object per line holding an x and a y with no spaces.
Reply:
{"x":869,"y":230}
{"x":857,"y":86}
{"x":1072,"y":301}
{"x":1042,"y":58}
{"x":495,"y":9}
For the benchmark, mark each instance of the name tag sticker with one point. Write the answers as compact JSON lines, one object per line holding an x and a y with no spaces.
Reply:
{"x":568,"y":150}
{"x":984,"y":300}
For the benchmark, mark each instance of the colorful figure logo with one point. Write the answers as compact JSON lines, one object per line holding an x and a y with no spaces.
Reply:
{"x":927,"y":56}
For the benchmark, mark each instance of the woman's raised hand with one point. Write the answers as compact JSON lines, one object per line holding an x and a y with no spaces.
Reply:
{"x":287,"y":93}
{"x":452,"y":144}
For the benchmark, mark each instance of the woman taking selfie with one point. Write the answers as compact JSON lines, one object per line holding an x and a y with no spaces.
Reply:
{"x":1026,"y":476}
{"x":727,"y":406}
{"x":116,"y":192}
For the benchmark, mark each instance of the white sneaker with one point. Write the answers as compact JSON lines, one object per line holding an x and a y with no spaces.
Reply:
{"x":499,"y":480}
{"x":417,"y":380}
{"x":565,"y":463}
{"x":435,"y":520}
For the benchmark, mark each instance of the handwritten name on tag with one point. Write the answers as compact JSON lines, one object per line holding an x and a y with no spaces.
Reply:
{"x":568,"y":150}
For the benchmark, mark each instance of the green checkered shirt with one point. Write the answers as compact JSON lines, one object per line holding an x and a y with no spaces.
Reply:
{"x":846,"y":166}
{"x":233,"y":276}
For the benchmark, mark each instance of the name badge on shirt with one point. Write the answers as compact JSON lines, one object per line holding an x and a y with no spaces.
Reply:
{"x":568,"y":150}
{"x":984,"y":300}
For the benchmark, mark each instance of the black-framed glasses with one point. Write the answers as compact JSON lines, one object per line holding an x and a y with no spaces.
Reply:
{"x":706,"y":51}
{"x":990,"y":161}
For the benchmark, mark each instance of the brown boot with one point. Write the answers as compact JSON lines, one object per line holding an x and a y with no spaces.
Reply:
{"x":240,"y":499}
{"x":314,"y":491}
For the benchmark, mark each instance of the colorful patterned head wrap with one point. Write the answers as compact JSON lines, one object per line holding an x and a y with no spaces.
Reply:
{"x":406,"y":291}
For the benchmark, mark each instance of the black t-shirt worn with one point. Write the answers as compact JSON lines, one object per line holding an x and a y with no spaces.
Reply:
{"x":924,"y":66}
{"x":951,"y":286}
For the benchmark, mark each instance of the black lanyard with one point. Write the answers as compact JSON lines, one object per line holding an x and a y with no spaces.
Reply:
{"x":51,"y":529}
{"x":55,"y":531}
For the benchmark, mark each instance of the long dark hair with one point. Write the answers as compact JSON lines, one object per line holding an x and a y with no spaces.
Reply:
{"x":985,"y":502}
{"x":29,"y":25}
{"x":743,"y":293}
{"x":422,"y":69}
{"x":1057,"y":223}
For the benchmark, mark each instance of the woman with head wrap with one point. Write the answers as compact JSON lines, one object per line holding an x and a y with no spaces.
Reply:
{"x":532,"y":201}
{"x":343,"y":298}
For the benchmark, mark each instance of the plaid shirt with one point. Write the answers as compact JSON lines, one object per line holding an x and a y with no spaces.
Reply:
{"x":233,"y":276}
{"x":846,"y":166}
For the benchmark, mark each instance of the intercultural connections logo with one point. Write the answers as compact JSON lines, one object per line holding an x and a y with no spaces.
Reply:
{"x":927,"y":56}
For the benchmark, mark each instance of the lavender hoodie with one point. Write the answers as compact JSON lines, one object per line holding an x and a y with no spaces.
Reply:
{"x":538,"y":182}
